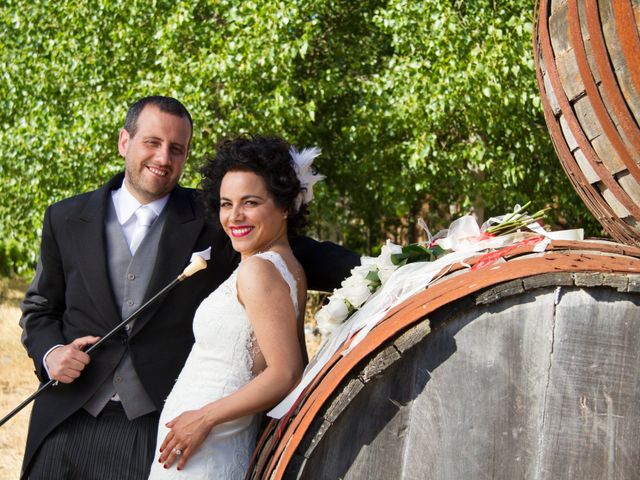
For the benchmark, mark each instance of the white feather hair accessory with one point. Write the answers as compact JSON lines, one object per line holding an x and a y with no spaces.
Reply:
{"x":308,"y":176}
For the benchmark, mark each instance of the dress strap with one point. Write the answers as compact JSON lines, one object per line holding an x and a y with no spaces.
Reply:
{"x":281,"y":265}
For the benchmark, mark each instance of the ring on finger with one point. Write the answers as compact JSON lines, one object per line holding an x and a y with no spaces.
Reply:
{"x":177,"y":451}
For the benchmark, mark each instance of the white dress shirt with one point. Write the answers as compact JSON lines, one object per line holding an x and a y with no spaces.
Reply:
{"x":126,"y":205}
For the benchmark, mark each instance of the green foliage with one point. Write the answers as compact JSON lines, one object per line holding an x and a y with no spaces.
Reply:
{"x":422,"y":108}
{"x":14,"y":259}
{"x":417,"y":252}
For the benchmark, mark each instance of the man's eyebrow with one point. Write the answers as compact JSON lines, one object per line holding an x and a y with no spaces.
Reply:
{"x":173,"y":144}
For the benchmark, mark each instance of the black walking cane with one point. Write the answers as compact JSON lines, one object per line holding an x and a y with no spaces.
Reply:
{"x":198,"y":263}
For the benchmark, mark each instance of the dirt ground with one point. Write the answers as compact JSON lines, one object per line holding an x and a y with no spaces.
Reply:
{"x":17,"y":380}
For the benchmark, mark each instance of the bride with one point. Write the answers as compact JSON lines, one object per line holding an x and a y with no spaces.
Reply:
{"x":249,"y":346}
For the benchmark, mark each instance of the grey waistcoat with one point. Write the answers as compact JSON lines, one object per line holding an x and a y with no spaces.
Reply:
{"x":130,"y":276}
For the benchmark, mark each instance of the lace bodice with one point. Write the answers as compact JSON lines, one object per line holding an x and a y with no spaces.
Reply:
{"x":220,"y":363}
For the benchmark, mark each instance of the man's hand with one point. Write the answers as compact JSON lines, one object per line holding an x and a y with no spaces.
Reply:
{"x":66,"y":362}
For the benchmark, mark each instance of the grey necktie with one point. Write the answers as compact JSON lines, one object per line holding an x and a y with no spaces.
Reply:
{"x":145,"y":216}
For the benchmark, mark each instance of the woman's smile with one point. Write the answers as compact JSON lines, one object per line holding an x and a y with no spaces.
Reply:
{"x":238,"y":232}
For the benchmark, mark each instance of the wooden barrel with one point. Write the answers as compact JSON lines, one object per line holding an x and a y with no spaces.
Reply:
{"x":528,"y":368}
{"x":587,"y":56}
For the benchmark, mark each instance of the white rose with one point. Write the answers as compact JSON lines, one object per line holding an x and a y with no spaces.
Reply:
{"x":356,"y":290}
{"x":385,"y":272}
{"x":384,"y":259}
{"x":362,"y":271}
{"x":369,"y":262}
{"x":334,"y":312}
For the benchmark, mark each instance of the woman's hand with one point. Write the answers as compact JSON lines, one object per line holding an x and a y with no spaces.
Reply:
{"x":187,"y":432}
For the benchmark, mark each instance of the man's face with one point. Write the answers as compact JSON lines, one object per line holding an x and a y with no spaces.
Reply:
{"x":155,"y":156}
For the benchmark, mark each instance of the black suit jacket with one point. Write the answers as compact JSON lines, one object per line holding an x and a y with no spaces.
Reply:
{"x":71,"y":297}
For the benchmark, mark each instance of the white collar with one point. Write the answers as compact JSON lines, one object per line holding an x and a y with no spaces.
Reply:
{"x":126,"y":204}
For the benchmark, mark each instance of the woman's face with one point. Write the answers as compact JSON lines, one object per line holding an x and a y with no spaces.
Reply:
{"x":249,"y":214}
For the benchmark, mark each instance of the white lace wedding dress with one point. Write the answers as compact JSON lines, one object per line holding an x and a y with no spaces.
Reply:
{"x":220,"y":363}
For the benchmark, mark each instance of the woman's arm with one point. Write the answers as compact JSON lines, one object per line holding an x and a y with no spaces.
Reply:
{"x":267,"y":301}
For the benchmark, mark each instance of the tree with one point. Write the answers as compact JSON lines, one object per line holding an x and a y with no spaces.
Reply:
{"x":422,"y":108}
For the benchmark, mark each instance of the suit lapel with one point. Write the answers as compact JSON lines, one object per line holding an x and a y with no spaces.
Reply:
{"x":87,"y":231}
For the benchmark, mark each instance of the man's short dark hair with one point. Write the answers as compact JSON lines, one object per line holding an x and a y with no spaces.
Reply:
{"x":165,"y":104}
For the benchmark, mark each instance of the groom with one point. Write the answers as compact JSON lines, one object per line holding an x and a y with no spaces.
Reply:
{"x":103,"y":254}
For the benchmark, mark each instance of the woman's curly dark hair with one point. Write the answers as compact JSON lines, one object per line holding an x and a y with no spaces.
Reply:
{"x":267,"y":157}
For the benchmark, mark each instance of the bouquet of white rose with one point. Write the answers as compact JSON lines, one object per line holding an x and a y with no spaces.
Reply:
{"x":373,"y":272}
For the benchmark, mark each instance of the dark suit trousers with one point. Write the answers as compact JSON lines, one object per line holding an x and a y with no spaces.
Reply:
{"x":108,"y":447}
